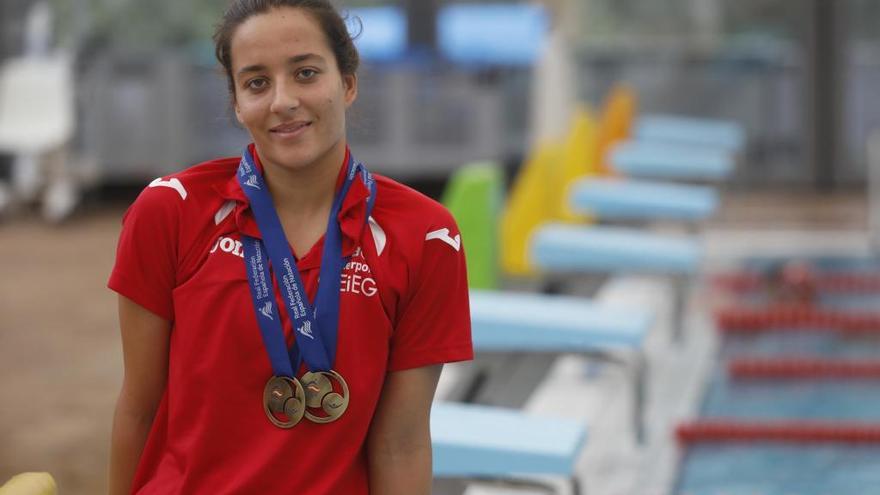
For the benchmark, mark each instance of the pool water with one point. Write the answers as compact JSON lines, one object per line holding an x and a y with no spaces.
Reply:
{"x":759,"y":468}
{"x":826,"y":400}
{"x":780,"y":469}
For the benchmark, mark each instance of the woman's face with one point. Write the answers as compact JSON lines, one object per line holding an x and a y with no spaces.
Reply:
{"x":289,"y":93}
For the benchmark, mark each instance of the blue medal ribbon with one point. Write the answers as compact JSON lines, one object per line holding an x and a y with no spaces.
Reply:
{"x":315,"y":328}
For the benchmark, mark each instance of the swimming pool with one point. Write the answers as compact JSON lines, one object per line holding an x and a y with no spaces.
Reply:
{"x":776,"y":468}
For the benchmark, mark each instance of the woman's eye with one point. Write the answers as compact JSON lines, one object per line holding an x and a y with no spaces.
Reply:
{"x":256,"y":84}
{"x":306,"y":74}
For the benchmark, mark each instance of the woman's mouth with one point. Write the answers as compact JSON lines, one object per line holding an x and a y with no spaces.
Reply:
{"x":290,"y":129}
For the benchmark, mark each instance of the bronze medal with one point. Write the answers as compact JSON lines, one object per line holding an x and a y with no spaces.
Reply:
{"x":284,"y":401}
{"x":316,"y":386}
{"x":327,"y":392}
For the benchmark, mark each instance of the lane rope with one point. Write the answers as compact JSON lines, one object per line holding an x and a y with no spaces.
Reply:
{"x":795,"y":318}
{"x":803,"y":368}
{"x":725,"y":430}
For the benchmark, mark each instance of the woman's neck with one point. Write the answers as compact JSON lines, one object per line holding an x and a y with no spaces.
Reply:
{"x":305,"y":191}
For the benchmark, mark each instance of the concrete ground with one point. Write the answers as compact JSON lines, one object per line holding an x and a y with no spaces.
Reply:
{"x":60,"y":356}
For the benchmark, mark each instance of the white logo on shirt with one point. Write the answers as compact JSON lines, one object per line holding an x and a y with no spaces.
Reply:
{"x":172,"y":183}
{"x":252,"y":182}
{"x":306,"y":329}
{"x":443,"y":235}
{"x":266,"y":310}
{"x":228,"y":245}
{"x":357,"y":277}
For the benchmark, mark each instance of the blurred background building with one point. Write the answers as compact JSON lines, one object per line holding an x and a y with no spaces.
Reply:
{"x":448,"y":82}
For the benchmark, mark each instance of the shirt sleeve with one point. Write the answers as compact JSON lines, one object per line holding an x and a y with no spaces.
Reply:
{"x":434,"y":324}
{"x":146,"y":255}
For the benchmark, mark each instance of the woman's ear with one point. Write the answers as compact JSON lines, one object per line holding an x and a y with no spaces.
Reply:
{"x":350,"y":82}
{"x":237,"y":112}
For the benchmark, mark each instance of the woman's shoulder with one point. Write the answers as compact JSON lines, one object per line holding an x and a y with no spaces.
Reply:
{"x":183,"y":205}
{"x":410,"y":219}
{"x":204,"y":177}
{"x":402,"y":204}
{"x":189,"y":188}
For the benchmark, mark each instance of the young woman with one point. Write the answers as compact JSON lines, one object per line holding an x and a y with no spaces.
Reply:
{"x":284,"y":314}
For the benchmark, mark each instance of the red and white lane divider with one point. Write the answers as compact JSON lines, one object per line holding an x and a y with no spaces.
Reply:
{"x":722,"y":430}
{"x":793,"y":368}
{"x":795,"y":318}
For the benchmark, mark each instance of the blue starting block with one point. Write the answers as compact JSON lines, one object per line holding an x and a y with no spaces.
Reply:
{"x":711,"y":133}
{"x":627,"y":199}
{"x":505,"y":321}
{"x":570,"y":248}
{"x":566,"y":249}
{"x":482,"y":442}
{"x":655,"y":159}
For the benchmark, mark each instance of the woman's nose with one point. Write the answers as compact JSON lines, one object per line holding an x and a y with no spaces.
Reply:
{"x":285,"y":98}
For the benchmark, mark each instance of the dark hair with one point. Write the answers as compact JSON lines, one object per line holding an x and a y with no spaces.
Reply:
{"x":332,"y":24}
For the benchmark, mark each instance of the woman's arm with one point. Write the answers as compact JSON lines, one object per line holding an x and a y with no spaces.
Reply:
{"x":145,"y":352}
{"x":399,"y":442}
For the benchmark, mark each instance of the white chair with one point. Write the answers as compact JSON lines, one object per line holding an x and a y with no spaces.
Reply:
{"x":36,"y":124}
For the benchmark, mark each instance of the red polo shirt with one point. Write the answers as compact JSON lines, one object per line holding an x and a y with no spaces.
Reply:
{"x":404,"y":304}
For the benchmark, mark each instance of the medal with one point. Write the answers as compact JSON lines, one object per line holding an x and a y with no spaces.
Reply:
{"x":320,"y":395}
{"x":284,"y":401}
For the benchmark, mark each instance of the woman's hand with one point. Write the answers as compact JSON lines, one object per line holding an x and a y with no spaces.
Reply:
{"x":399,"y":442}
{"x":145,"y":351}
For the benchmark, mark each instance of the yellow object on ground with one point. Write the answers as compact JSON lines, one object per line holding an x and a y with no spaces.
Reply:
{"x":30,"y":484}
{"x":579,"y":159}
{"x":529,"y":205}
{"x":540,"y":191}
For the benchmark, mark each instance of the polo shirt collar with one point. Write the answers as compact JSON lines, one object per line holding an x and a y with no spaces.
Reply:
{"x":352,"y":214}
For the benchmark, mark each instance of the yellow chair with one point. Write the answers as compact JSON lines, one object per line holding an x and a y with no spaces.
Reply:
{"x":540,"y":191}
{"x":528,"y":206}
{"x":577,"y":161}
{"x":30,"y":484}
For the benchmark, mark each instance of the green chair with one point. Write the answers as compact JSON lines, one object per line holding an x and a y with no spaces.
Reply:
{"x":474,"y":196}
